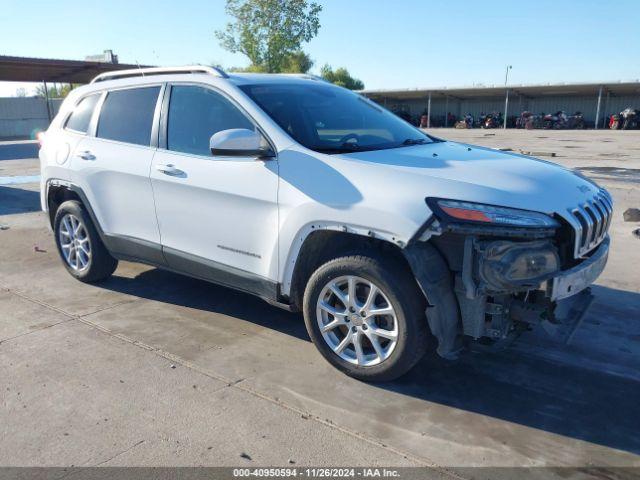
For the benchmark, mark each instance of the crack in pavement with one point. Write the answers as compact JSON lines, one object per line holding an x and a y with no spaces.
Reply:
{"x":79,"y":470}
{"x":3,"y":340}
{"x":61,"y":311}
{"x":120,"y":453}
{"x":242,"y":386}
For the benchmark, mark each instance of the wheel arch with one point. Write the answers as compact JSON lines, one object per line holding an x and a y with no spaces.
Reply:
{"x":422,"y":260}
{"x":320,"y":243}
{"x":59,"y":191}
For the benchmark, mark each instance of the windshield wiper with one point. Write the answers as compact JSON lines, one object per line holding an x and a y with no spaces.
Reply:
{"x":331,"y":150}
{"x":415,"y":141}
{"x":350,"y":146}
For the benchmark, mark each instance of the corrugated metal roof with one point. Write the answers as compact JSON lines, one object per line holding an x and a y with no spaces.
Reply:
{"x":27,"y":69}
{"x":629,"y":87}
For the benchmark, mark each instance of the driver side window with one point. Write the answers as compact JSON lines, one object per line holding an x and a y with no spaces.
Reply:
{"x":196,"y":113}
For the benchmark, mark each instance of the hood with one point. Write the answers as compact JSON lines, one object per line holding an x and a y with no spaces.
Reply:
{"x":466,"y":172}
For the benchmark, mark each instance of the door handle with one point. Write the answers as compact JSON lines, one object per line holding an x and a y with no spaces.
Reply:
{"x":170,"y":169}
{"x":86,"y":155}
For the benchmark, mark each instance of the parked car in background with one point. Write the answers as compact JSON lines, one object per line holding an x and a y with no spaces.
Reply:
{"x":318,"y":200}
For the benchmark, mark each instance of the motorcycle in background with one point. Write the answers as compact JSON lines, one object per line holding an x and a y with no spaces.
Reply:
{"x":466,"y":122}
{"x":492,"y":120}
{"x":524,"y":119}
{"x":630,"y":118}
{"x":614,"y":122}
{"x":576,"y":121}
{"x":556,"y":120}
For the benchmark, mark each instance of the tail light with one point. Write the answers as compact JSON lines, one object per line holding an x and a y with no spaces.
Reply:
{"x":40,"y":137}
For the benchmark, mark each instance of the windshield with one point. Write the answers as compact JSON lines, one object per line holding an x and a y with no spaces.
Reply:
{"x":329,"y":119}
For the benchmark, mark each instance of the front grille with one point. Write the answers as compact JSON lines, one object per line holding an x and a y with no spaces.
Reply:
{"x":593,"y":219}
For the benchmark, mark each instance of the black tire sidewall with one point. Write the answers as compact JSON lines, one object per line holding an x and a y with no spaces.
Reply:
{"x":411,"y":343}
{"x":101,"y":263}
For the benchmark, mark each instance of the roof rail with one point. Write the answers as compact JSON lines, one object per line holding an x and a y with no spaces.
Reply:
{"x":141,"y":72}
{"x":308,"y":76}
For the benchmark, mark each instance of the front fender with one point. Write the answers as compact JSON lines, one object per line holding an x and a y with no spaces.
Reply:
{"x":303,"y":233}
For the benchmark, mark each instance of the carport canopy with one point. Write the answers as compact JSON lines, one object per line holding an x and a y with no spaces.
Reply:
{"x":621,"y":88}
{"x":585,"y":89}
{"x":25,"y":69}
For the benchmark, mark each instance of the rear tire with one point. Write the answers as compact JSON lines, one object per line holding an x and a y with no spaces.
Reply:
{"x":401,"y":336}
{"x":82,"y":252}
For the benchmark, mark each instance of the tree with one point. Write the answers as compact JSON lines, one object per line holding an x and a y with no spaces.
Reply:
{"x":55,"y":90}
{"x":342,"y":77}
{"x":271,"y":32}
{"x":297,"y":62}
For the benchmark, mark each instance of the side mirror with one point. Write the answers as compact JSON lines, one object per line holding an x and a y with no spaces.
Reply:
{"x":239,"y":142}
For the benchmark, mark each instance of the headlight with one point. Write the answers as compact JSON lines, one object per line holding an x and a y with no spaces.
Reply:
{"x":508,"y":265}
{"x":490,"y":214}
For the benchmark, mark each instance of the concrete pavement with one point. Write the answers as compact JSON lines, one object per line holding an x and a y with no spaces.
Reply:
{"x":89,"y":377}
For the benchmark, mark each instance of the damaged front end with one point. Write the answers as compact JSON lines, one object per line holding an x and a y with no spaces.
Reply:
{"x":503,"y":279}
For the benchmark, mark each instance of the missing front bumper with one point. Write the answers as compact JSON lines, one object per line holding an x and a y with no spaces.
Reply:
{"x":568,"y":316}
{"x":498,"y":310}
{"x":558,"y":319}
{"x":575,"y":280}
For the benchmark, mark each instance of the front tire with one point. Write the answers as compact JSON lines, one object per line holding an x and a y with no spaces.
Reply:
{"x":82,"y":252}
{"x":366,"y":316}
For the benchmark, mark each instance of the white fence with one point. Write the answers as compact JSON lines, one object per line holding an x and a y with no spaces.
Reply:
{"x":23,"y":117}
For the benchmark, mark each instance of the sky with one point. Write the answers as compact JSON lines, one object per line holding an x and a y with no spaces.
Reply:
{"x":386,"y":43}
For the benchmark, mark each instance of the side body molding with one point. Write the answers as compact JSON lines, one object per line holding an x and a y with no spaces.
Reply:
{"x":137,"y":250}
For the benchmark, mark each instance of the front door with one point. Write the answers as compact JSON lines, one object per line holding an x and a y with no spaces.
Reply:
{"x":218,"y":216}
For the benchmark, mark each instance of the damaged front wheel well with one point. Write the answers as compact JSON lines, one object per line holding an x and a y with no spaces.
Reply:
{"x":322,"y":246}
{"x":437,"y":284}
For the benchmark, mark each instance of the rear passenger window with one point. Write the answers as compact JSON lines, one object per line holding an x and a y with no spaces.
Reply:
{"x":196,"y":113}
{"x":127,"y":115}
{"x":81,"y":116}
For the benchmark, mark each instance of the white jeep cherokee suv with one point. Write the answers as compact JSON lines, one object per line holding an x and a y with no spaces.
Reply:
{"x":317,"y":199}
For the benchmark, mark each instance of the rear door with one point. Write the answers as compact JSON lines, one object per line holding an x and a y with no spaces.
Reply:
{"x":77,"y":125}
{"x":60,"y":145}
{"x":112,"y":168}
{"x":214,"y":211}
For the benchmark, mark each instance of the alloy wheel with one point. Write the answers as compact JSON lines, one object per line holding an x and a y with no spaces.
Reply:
{"x":74,"y":243}
{"x":357,"y":320}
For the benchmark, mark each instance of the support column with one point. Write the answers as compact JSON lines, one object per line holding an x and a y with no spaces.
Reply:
{"x":46,"y":97}
{"x":598,"y":107}
{"x":506,"y":109}
{"x":606,"y":109}
{"x":429,"y":111}
{"x":446,"y":111}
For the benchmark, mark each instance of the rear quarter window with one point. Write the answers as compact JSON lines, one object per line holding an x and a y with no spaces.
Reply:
{"x":79,"y":119}
{"x":127,"y":115}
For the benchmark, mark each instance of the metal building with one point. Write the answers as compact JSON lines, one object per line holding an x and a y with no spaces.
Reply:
{"x":21,"y":118}
{"x":596,"y":101}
